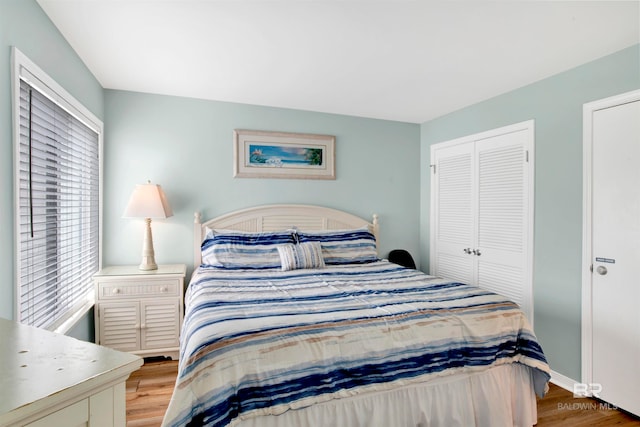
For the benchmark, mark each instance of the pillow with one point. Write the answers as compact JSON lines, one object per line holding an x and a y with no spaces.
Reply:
{"x":357,"y":246}
{"x":302,"y":255}
{"x":239,"y":249}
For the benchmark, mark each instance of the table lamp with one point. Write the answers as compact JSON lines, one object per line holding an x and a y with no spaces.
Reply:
{"x":148,"y":201}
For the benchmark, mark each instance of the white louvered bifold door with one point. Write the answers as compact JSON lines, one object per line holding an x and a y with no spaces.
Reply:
{"x":502,"y":220}
{"x":454,"y":225}
{"x":481,"y":206}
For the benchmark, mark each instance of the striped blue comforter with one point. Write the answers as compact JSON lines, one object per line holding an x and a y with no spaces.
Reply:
{"x":263,"y":342}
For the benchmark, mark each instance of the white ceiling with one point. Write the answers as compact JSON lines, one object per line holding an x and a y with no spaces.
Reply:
{"x":400,"y":60}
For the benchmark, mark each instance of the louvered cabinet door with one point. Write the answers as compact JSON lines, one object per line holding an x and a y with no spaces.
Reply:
{"x":160,"y":324}
{"x":454,"y":215}
{"x":120,"y":325}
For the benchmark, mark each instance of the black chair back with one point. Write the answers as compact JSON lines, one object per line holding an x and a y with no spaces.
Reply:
{"x":402,"y":257}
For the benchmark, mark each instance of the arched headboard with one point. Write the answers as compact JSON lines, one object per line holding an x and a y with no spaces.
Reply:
{"x":279,"y":217}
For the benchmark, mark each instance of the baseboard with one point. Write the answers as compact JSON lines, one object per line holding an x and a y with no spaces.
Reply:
{"x":562,"y":381}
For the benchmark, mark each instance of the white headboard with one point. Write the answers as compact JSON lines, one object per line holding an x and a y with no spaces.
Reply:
{"x":279,"y":217}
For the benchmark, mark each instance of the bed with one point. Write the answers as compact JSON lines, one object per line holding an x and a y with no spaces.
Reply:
{"x":293,"y":319}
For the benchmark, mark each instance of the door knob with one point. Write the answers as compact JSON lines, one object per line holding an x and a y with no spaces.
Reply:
{"x":601,"y":270}
{"x":467,"y":251}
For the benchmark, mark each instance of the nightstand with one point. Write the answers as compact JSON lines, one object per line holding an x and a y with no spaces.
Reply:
{"x":140,"y":311}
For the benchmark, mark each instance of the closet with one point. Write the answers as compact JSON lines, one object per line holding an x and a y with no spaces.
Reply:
{"x":482,"y":211}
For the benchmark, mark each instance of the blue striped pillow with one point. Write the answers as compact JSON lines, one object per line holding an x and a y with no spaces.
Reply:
{"x":356,"y":246}
{"x":239,"y":250}
{"x":302,"y":255}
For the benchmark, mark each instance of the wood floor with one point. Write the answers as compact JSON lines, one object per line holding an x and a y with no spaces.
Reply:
{"x":149,"y":391}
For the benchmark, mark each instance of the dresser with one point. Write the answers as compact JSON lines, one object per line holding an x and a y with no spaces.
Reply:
{"x":140,"y":311}
{"x":52,"y":380}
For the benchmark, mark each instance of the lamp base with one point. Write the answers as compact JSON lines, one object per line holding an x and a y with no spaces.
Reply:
{"x":148,"y":254}
{"x":148,"y":264}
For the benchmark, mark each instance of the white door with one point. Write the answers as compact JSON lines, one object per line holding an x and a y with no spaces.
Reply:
{"x":453,"y":210}
{"x":503,"y":243}
{"x":481,"y":211}
{"x":614,"y":253}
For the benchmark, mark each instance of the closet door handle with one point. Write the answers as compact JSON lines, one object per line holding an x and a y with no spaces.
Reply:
{"x":470,"y":251}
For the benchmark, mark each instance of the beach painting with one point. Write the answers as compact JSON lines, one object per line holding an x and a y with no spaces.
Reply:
{"x":263,"y":154}
{"x":277,"y":156}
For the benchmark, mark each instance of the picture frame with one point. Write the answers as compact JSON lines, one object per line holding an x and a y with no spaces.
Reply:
{"x":266,"y":154}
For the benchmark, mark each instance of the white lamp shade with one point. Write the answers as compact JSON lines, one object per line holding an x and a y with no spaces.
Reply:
{"x":148,"y":201}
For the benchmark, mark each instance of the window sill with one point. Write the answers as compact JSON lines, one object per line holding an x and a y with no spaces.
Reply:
{"x":73,"y":319}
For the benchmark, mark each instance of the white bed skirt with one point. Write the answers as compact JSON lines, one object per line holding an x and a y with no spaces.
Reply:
{"x":500,"y":396}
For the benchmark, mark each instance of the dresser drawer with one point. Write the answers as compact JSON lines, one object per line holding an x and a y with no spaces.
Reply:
{"x":141,"y":288}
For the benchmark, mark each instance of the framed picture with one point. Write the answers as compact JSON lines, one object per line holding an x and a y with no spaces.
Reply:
{"x":262,"y":154}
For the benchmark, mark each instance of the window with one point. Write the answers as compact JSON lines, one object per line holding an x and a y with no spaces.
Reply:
{"x":57,"y":195}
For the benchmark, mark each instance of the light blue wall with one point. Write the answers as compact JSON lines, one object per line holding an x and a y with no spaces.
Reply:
{"x":24,"y":25}
{"x":556,"y":105}
{"x":186,"y":145}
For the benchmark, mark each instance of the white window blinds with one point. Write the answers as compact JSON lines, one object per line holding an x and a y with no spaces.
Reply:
{"x":58,"y":174}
